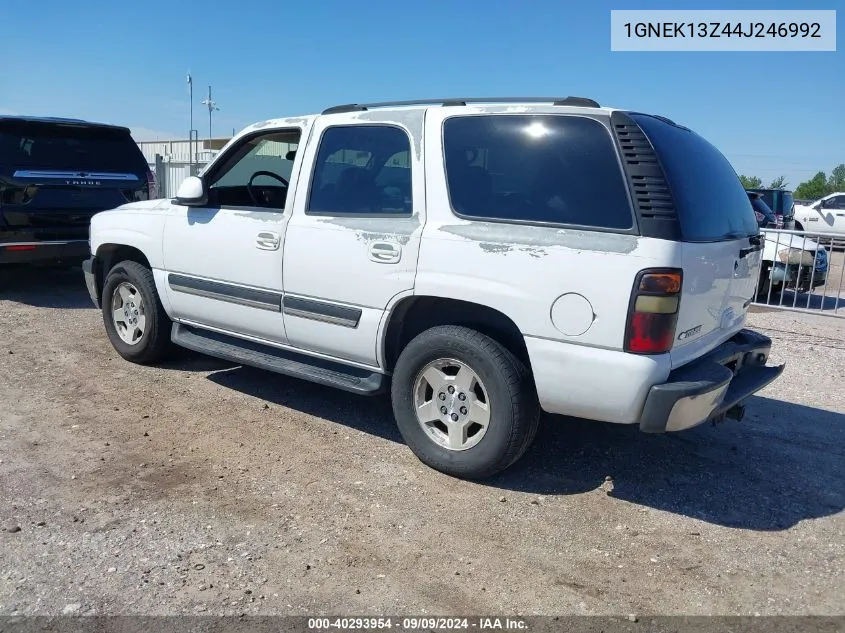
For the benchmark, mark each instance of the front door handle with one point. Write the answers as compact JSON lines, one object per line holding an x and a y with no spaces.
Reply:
{"x":385,"y":252}
{"x":268,"y":241}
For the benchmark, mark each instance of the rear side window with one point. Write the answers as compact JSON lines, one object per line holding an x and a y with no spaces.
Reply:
{"x":362,"y":170}
{"x":711,"y":203}
{"x":535,"y":168}
{"x":39,"y":146}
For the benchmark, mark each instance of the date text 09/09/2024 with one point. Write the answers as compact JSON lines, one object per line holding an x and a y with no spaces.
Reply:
{"x":722,"y":29}
{"x":418,"y":623}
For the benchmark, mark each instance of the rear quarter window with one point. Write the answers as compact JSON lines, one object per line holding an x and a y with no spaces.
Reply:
{"x":555,"y":169}
{"x":711,"y":202}
{"x":41,"y":146}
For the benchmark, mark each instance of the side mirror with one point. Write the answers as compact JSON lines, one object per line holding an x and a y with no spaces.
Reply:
{"x":192,"y":192}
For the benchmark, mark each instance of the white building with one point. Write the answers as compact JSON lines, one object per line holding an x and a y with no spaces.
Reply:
{"x":179,"y":150}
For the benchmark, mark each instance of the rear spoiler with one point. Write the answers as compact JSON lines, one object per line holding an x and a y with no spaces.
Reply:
{"x":10,"y":121}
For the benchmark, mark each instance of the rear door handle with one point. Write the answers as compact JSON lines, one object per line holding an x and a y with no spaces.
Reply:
{"x":385,"y":252}
{"x":268,"y":241}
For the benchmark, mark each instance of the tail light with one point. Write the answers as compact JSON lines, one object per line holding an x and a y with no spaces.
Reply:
{"x":653,"y":311}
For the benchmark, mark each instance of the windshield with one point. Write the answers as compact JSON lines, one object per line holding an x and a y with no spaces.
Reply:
{"x":711,"y":203}
{"x":69,"y":147}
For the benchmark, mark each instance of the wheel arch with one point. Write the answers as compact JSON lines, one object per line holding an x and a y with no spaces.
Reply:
{"x":412,"y":315}
{"x":109,"y":254}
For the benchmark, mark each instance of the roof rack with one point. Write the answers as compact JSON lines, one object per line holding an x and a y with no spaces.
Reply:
{"x":582,"y":102}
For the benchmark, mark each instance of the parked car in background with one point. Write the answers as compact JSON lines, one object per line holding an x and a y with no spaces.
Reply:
{"x":826,"y":215}
{"x":790,"y":262}
{"x":55,"y":174}
{"x":782,"y":203}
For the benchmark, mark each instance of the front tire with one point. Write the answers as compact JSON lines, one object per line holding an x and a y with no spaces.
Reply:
{"x":464,"y":404}
{"x":135,"y":320}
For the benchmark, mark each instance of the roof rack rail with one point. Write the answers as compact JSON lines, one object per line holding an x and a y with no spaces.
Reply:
{"x":582,"y":102}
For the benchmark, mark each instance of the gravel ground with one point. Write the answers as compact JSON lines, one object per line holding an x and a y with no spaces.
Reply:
{"x":202,"y":487}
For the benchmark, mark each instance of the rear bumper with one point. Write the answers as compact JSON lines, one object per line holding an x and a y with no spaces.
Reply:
{"x":710,"y":386}
{"x":60,"y":251}
{"x":89,"y":268}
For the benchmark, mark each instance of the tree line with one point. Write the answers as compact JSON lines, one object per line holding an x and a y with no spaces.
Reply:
{"x":816,"y":187}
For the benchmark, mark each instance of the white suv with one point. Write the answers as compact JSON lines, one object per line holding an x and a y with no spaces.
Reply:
{"x":482,"y":259}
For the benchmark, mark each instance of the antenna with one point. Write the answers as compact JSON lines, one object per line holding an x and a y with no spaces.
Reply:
{"x":212,"y":106}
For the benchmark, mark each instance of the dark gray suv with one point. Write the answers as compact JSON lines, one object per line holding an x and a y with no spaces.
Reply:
{"x":54,"y":175}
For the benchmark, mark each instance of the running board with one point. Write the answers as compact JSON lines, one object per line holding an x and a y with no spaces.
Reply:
{"x":243,"y":352}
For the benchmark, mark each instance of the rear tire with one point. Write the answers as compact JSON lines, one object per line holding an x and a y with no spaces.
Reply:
{"x":488,"y":395}
{"x":135,"y":320}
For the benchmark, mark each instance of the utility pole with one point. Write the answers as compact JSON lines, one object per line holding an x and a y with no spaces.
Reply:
{"x":212,"y":106}
{"x":192,"y":133}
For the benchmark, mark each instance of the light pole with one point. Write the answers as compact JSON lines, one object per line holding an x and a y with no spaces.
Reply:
{"x":212,"y":106}
{"x":191,"y":108}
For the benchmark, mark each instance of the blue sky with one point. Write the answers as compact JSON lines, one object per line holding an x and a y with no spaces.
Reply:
{"x":125,"y":62}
